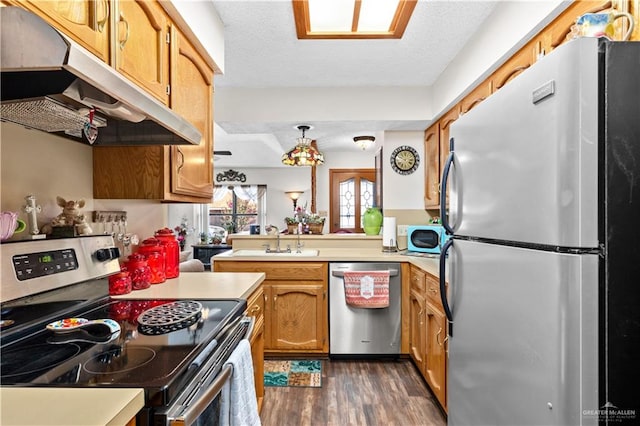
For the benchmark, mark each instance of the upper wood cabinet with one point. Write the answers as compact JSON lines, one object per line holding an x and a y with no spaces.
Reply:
{"x":514,"y":66}
{"x":477,"y":95}
{"x":167,"y":173}
{"x":432,"y":167}
{"x":141,"y":45}
{"x":84,"y":21}
{"x":192,"y":166}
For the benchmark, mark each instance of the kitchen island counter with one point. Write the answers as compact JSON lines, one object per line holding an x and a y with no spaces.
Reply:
{"x":95,"y":406}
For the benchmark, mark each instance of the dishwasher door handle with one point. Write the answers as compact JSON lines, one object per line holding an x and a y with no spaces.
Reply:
{"x":392,"y":273}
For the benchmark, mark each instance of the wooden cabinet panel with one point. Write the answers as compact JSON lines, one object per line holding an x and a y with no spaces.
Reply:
{"x":514,"y":66}
{"x":141,"y":48}
{"x":417,"y":278}
{"x":255,"y":308}
{"x":477,"y":95}
{"x":192,"y":166}
{"x":296,"y":308}
{"x":433,"y":290}
{"x":417,"y":334}
{"x":432,"y":167}
{"x":435,"y":362}
{"x":296,"y":317}
{"x":85,"y":21}
{"x":167,"y":173}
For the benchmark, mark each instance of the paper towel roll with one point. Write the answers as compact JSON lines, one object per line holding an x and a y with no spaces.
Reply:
{"x":389,"y":238}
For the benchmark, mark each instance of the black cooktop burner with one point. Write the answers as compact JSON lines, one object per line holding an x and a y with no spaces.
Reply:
{"x":117,"y":360}
{"x":158,"y":362}
{"x":29,"y":361}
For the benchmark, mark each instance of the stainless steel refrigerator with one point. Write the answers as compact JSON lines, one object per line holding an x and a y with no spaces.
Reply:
{"x":544,"y":264}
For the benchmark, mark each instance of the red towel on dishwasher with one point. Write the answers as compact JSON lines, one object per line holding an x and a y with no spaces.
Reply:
{"x":367,"y":289}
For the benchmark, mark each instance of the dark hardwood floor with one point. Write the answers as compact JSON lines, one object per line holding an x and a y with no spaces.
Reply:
{"x":359,"y":393}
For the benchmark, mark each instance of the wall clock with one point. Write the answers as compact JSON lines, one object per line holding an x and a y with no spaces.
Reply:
{"x":405,"y":160}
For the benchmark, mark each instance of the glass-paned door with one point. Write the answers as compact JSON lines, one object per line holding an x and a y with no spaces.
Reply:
{"x":352,"y":192}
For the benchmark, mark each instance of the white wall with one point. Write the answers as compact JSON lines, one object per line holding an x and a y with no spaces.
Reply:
{"x":46,"y":166}
{"x":402,"y":191}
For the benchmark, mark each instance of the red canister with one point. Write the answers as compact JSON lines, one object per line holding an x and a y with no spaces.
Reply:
{"x":172,"y":251}
{"x":139,"y":271}
{"x":155,"y":254}
{"x":119,"y":283}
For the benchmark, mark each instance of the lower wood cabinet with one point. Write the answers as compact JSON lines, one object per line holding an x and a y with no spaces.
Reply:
{"x":435,"y":359}
{"x":255,"y":309}
{"x":428,"y":332}
{"x":295,"y":304}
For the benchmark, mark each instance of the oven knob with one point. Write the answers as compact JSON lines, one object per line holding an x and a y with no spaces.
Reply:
{"x":107,"y":254}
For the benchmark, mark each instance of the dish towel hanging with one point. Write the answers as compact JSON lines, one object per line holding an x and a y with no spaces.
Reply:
{"x":238,"y":404}
{"x":367,"y":289}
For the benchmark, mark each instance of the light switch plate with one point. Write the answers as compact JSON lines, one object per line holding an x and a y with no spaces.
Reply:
{"x":402,"y":230}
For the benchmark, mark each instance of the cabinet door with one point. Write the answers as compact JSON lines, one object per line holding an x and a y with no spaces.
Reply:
{"x":85,"y":21}
{"x":435,"y":363}
{"x":519,"y":62}
{"x":417,"y":334}
{"x":141,"y":50}
{"x":192,"y":166}
{"x":445,"y":128}
{"x":297,"y":317}
{"x":255,"y":309}
{"x":477,"y":95}
{"x":432,"y":167}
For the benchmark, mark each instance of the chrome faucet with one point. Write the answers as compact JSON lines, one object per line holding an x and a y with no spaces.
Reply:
{"x":299,"y":245}
{"x":277,"y":249}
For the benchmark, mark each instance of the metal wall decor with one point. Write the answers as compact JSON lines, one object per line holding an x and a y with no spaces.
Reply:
{"x":231,"y":176}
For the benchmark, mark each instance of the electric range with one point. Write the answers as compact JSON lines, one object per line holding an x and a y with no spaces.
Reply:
{"x":163,"y":345}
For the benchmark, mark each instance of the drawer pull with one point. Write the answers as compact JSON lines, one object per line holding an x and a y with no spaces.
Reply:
{"x":255,"y":309}
{"x":438,"y":338}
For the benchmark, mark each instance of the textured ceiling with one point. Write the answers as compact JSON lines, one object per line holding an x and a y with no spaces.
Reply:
{"x":262,"y":51}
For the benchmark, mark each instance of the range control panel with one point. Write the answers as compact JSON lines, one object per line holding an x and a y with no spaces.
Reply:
{"x":34,"y":265}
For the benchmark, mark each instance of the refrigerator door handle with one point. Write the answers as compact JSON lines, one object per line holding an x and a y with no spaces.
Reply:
{"x":443,"y":288}
{"x":443,"y":190}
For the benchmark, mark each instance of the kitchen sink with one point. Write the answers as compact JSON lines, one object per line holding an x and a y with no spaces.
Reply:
{"x":258,"y":252}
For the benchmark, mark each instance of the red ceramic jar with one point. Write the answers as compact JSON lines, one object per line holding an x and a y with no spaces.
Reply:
{"x":119,"y":283}
{"x":154,"y":252}
{"x":172,"y":250}
{"x":139,"y":271}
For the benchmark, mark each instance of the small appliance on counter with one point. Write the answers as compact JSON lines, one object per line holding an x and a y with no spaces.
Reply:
{"x":426,"y":239}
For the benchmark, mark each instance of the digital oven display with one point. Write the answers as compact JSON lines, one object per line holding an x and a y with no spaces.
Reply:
{"x":34,"y":265}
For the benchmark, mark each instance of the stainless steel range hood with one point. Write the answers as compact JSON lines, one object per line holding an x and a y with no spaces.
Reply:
{"x":50,"y":83}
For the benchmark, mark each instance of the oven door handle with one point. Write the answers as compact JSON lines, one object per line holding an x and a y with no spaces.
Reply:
{"x":195,"y":409}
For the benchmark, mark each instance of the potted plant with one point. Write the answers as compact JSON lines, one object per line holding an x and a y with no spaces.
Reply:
{"x":311,"y":222}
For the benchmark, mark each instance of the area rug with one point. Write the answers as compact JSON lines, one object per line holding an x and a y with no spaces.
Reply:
{"x":299,"y":373}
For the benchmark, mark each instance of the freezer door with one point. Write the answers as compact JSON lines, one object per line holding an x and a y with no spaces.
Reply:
{"x":526,"y":158}
{"x":524,"y":345}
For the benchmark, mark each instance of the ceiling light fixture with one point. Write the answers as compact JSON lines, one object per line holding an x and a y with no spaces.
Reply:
{"x":303,"y":154}
{"x":360,"y":19}
{"x":364,"y":142}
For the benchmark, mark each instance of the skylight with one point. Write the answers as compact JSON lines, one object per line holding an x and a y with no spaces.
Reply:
{"x":332,"y":19}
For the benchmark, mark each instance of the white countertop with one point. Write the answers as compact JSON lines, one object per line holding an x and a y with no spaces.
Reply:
{"x":97,"y":406}
{"x":69,"y":406}
{"x":429,"y":264}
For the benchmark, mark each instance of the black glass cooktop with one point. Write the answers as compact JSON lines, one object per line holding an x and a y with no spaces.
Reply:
{"x":160,"y":359}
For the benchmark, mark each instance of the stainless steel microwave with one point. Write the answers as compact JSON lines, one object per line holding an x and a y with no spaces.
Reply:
{"x":426,"y":238}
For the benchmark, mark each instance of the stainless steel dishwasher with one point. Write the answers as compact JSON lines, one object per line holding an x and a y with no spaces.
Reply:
{"x":361,"y":331}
